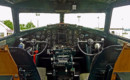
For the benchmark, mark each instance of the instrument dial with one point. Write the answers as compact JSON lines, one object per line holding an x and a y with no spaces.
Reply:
{"x":81,"y":36}
{"x":43,"y":32}
{"x":37,"y":36}
{"x":48,"y":32}
{"x":43,"y":37}
{"x":53,"y":36}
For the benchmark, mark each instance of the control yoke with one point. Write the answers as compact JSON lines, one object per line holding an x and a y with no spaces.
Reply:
{"x":89,"y":43}
{"x":34,"y":43}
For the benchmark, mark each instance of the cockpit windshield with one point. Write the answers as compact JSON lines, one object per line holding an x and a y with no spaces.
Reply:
{"x":34,"y":20}
{"x":91,"y":20}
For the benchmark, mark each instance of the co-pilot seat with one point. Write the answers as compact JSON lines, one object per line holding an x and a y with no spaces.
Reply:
{"x":104,"y":60}
{"x":121,"y":69}
{"x":25,"y":64}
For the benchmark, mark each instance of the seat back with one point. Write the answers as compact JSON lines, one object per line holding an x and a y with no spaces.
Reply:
{"x":121,"y":69}
{"x":25,"y":63}
{"x":107,"y":56}
{"x":8,"y":66}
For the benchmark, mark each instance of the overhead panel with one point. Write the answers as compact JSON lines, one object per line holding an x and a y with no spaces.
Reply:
{"x":63,"y":5}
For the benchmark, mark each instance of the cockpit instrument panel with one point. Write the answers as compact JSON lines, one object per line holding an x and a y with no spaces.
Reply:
{"x":65,"y":35}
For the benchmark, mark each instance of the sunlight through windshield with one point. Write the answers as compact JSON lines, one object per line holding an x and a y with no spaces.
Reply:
{"x":120,"y":23}
{"x":37,"y":20}
{"x":91,"y":20}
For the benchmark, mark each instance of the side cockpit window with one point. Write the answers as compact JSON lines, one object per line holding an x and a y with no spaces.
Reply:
{"x":6,"y":22}
{"x":120,"y":23}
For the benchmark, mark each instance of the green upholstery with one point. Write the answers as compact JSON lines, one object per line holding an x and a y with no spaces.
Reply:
{"x":6,"y":77}
{"x":123,"y":76}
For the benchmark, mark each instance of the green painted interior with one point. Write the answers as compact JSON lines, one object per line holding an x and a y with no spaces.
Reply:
{"x":64,"y":6}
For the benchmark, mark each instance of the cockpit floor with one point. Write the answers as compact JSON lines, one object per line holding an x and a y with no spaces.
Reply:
{"x":84,"y":76}
{"x":42,"y":73}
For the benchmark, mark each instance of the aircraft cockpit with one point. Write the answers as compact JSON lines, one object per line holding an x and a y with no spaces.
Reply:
{"x":62,"y":46}
{"x":81,"y":43}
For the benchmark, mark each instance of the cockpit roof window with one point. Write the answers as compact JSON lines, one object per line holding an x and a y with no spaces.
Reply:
{"x":91,"y":20}
{"x":35,"y":20}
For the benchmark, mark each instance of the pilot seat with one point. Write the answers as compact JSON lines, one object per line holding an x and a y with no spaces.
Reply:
{"x":102,"y":64}
{"x":26,"y":66}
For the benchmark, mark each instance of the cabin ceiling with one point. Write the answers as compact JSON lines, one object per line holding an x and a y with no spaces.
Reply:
{"x":65,"y":6}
